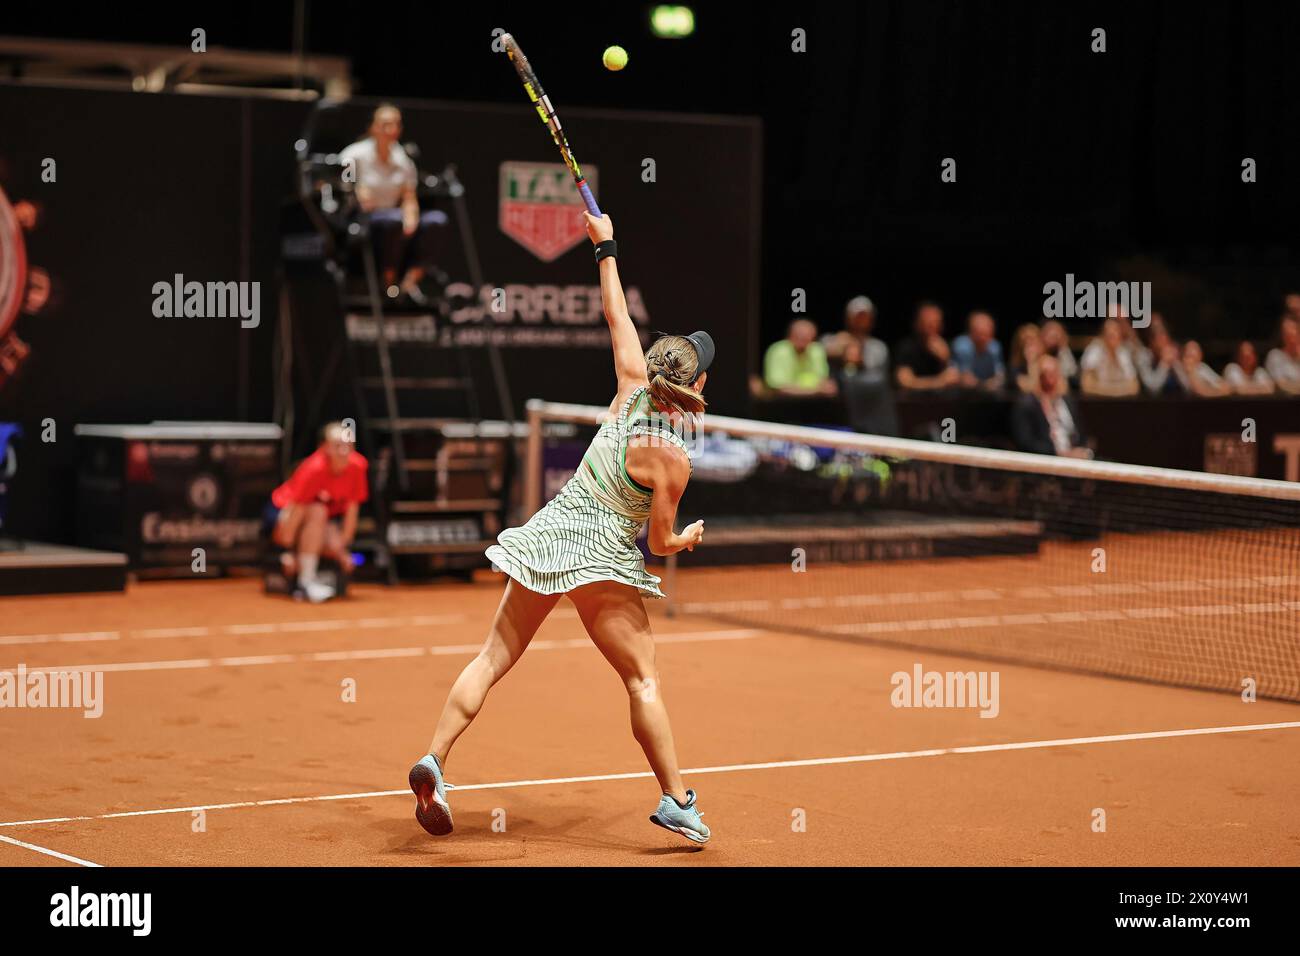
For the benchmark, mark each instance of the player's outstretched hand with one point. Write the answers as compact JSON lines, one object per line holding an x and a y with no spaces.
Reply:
{"x":693,"y":534}
{"x":599,"y":229}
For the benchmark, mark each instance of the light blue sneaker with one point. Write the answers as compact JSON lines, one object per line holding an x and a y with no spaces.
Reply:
{"x":684,"y":820}
{"x":431,"y":807}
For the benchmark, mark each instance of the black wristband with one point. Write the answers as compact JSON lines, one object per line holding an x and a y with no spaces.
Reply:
{"x":607,"y":248}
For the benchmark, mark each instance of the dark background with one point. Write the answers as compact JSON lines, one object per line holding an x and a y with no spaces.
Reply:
{"x":1122,"y":165}
{"x":151,"y":185}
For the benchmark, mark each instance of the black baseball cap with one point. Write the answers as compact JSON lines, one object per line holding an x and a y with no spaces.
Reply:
{"x":704,"y":351}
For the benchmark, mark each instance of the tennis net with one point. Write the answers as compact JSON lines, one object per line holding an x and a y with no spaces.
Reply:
{"x":1168,"y":576}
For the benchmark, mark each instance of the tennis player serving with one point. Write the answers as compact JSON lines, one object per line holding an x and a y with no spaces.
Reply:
{"x":583,"y":544}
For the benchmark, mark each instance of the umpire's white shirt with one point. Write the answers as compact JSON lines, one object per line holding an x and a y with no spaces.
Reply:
{"x":386,"y":181}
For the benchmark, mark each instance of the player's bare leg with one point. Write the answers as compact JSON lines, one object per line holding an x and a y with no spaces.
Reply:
{"x":615,"y":617}
{"x":519,"y":615}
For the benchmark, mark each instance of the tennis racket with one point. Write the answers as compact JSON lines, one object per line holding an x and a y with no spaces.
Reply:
{"x":542,"y":103}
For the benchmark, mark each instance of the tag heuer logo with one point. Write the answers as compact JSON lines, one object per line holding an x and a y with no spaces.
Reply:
{"x":540,"y":208}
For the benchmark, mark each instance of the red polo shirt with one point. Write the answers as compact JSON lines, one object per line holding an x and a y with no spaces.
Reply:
{"x":313,"y":481}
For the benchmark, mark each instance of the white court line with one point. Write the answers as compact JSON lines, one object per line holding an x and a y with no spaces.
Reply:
{"x":1063,"y":617}
{"x":728,"y":768}
{"x":53,"y":638}
{"x":365,"y":655}
{"x":378,"y":653}
{"x":48,"y":852}
{"x":273,"y":627}
{"x":967,"y":595}
{"x":336,"y":624}
{"x":869,"y":599}
{"x":171,"y":632}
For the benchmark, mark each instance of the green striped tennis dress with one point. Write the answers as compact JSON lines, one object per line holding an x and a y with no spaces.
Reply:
{"x":588,"y":531}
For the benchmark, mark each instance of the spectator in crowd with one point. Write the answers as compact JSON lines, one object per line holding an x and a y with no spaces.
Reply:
{"x":978,"y":354}
{"x":1246,"y":376}
{"x":1197,"y":377}
{"x":406,"y":240}
{"x":1283,"y":362}
{"x":1291,"y":304}
{"x":924,"y":359}
{"x":1045,"y":420}
{"x":1107,"y":364}
{"x":797,"y":365}
{"x":868,"y":398}
{"x":872,"y":355}
{"x":1130,"y":341}
{"x":1026,"y":347}
{"x":1056,"y":343}
{"x":854,"y":366}
{"x":1160,"y":362}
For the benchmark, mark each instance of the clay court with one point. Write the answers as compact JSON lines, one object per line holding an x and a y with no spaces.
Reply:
{"x":221,"y":699}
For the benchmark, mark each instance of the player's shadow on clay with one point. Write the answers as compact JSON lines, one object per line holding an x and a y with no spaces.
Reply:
{"x":474,"y":837}
{"x":686,"y":848}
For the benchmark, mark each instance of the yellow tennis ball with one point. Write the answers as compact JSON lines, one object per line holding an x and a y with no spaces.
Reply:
{"x":615,"y":58}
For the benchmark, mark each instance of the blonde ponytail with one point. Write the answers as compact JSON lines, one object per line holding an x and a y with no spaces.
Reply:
{"x":672,"y":364}
{"x":671,"y":396}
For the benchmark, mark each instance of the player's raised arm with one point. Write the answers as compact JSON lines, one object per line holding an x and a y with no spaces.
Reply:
{"x":629,"y":361}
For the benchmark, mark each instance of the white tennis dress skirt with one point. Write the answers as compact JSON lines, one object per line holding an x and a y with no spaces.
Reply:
{"x":572,"y":541}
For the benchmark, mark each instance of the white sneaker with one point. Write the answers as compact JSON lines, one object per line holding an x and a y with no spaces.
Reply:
{"x":685,"y":820}
{"x":317,"y":592}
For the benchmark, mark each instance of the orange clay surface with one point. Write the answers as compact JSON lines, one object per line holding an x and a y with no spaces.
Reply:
{"x":216,"y":694}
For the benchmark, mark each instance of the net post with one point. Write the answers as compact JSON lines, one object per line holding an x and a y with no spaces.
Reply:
{"x":533,"y":460}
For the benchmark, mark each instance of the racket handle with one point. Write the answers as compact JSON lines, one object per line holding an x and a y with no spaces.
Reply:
{"x":589,"y":199}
